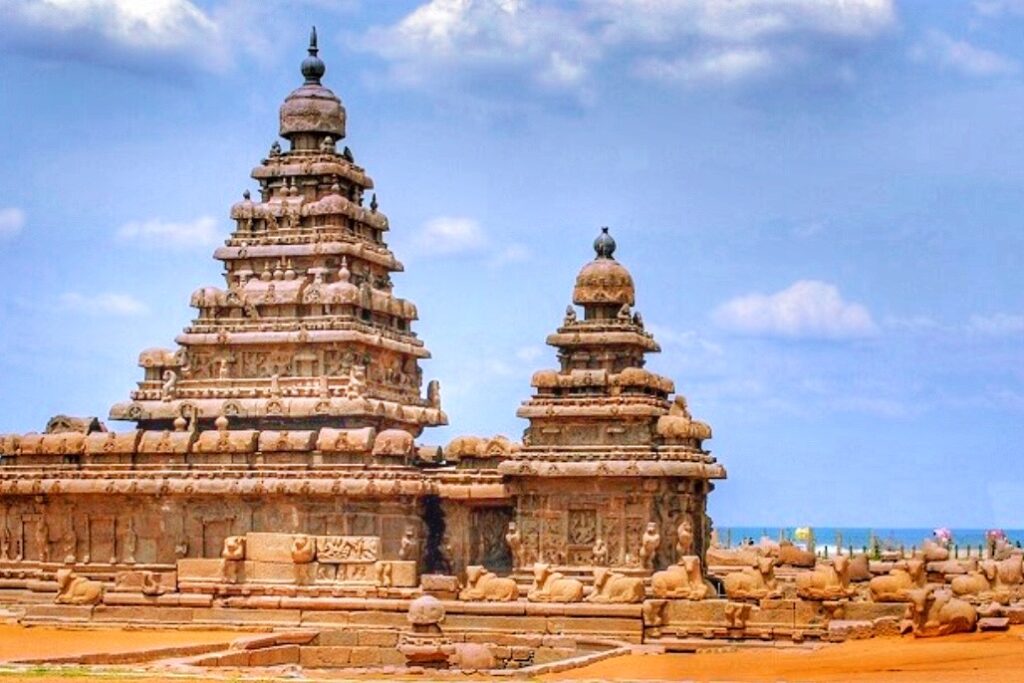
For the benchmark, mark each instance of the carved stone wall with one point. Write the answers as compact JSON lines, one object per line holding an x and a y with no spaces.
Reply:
{"x":560,"y":519}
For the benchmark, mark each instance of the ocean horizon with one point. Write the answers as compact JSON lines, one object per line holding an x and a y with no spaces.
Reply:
{"x":860,"y":537}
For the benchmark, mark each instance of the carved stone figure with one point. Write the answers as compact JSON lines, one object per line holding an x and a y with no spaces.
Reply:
{"x":790,"y":555}
{"x":613,"y":587}
{"x":43,"y":540}
{"x":749,"y":582}
{"x":434,"y":393}
{"x":169,"y":389}
{"x":570,"y":315}
{"x":549,"y":586}
{"x":682,"y":580}
{"x":129,"y":541}
{"x":938,"y":613}
{"x":515,"y":543}
{"x":600,"y":553}
{"x":410,"y":547}
{"x":69,"y":543}
{"x":684,"y":537}
{"x":935,"y":550}
{"x":303,"y":549}
{"x":234,"y":548}
{"x":895,"y":585}
{"x":5,"y":543}
{"x":76,"y":590}
{"x":649,"y":545}
{"x":482,"y":584}
{"x":826,"y":583}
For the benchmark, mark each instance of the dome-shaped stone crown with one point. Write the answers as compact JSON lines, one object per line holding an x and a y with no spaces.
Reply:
{"x":604,"y":280}
{"x":312,"y":108}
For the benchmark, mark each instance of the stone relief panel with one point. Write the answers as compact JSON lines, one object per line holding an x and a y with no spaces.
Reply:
{"x":487,"y":538}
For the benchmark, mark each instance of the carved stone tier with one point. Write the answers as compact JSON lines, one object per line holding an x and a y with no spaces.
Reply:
{"x":307,"y":331}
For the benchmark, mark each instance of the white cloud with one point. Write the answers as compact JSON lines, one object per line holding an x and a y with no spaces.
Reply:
{"x":107,"y":303}
{"x":202,"y":232}
{"x":997,"y":325}
{"x":135,"y":35}
{"x":806,"y":309}
{"x":996,"y":8}
{"x":561,"y":46}
{"x":723,"y":67}
{"x":450,"y":235}
{"x":511,"y":253}
{"x":12,"y":220}
{"x":961,"y":56}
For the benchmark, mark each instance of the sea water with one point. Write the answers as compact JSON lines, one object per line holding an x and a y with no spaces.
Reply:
{"x":860,"y":537}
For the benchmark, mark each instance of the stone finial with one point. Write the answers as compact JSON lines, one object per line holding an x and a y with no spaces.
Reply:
{"x":246,"y":196}
{"x":313,"y":68}
{"x":373,"y":203}
{"x":347,"y":155}
{"x":275,"y":149}
{"x":604,"y":245}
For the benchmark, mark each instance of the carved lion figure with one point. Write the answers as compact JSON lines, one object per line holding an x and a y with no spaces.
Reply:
{"x":482,"y":584}
{"x":549,"y":586}
{"x":77,"y":590}
{"x":234,"y":548}
{"x":611,"y":586}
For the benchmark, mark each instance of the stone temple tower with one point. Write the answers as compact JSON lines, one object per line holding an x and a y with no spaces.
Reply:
{"x":608,"y":451}
{"x":307,"y":331}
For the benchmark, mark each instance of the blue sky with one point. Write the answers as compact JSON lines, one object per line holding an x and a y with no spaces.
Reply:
{"x":820,"y":202}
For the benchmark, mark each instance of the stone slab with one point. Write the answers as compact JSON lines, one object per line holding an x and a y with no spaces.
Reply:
{"x":993,"y":624}
{"x":268,"y":547}
{"x":403,"y":573}
{"x":280,"y":572}
{"x":201,"y":569}
{"x":325,"y":657}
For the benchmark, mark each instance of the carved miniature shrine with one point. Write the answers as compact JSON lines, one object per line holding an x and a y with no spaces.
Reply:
{"x":273,"y":475}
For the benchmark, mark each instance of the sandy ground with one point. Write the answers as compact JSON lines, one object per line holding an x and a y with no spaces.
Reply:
{"x":976,"y":657}
{"x":19,"y":642}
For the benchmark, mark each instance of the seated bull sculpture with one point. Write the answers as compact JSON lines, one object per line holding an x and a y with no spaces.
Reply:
{"x":938,"y":613}
{"x":830,"y":582}
{"x":613,"y":587}
{"x":549,"y":586}
{"x":682,"y":580}
{"x":793,"y":556}
{"x":975,"y":583}
{"x":935,"y":550}
{"x":750,"y":582}
{"x":482,"y":584}
{"x":77,"y":590}
{"x":893,"y":587}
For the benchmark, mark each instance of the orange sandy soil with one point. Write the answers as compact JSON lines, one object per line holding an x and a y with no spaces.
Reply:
{"x":975,"y":657}
{"x":19,"y":642}
{"x":978,"y":657}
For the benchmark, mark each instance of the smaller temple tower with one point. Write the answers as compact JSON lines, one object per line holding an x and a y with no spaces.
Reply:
{"x":608,"y":451}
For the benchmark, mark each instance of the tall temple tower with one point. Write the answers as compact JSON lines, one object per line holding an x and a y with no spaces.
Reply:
{"x":307,"y":332}
{"x":607,"y":453}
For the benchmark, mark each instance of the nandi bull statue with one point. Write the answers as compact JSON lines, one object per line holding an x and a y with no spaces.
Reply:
{"x":77,"y":590}
{"x":893,"y":587}
{"x":549,"y":586}
{"x":830,"y":582}
{"x":752,"y":582}
{"x":681,"y":580}
{"x":482,"y":584}
{"x":613,"y":587}
{"x":937,"y":613}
